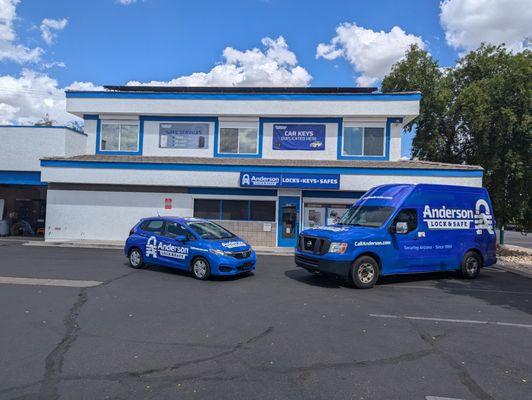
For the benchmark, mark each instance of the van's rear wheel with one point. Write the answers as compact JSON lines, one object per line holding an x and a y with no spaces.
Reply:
{"x":471,"y":264}
{"x":364,"y":272}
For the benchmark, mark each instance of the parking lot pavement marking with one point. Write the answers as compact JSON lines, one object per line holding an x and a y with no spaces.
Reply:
{"x":465,"y":289}
{"x":439,"y":398}
{"x":451,"y":320}
{"x":10,"y":280}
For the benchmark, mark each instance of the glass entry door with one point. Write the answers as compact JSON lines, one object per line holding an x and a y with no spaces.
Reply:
{"x":288,"y":221}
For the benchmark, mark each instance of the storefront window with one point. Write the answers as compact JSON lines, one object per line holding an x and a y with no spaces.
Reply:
{"x":238,"y":140}
{"x":262,"y":211}
{"x":119,"y":137}
{"x":367,"y":141}
{"x":208,"y":209}
{"x":235,"y":210}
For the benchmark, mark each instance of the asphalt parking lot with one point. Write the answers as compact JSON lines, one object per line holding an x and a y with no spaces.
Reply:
{"x":104,"y":331}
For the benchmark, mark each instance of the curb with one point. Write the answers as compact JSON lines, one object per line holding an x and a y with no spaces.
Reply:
{"x":261,"y":252}
{"x":506,"y":267}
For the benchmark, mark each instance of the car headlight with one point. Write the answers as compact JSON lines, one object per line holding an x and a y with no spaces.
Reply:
{"x":217,"y":252}
{"x":338,"y":247}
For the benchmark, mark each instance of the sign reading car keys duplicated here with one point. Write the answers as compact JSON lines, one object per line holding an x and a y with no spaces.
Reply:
{"x":298,"y":137}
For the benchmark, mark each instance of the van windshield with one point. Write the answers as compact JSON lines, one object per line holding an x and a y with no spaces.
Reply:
{"x":210,"y":230}
{"x":370,"y":216}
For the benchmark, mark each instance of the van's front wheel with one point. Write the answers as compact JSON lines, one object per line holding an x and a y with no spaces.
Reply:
{"x":364,"y":272}
{"x":471,"y":265}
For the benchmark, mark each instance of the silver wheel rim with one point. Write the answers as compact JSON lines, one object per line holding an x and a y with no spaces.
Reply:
{"x":200,"y":268}
{"x":471,"y":265}
{"x":366,"y":273}
{"x":135,"y":258}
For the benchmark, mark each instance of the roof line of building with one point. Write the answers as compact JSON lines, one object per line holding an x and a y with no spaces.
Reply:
{"x":234,"y":89}
{"x":326,"y":96}
{"x":46,"y":127}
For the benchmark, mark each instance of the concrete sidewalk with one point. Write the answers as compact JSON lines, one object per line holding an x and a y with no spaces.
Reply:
{"x":108,"y":244}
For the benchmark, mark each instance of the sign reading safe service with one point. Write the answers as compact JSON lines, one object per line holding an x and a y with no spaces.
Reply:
{"x":307,"y":181}
{"x":184,"y":136}
{"x":298,"y":137}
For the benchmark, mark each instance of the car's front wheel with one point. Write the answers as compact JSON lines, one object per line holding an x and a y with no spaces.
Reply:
{"x":364,"y":272}
{"x":136,"y":260}
{"x":201,"y":269}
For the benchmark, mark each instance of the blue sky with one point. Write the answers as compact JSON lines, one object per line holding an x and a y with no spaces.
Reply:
{"x":108,"y":43}
{"x":53,"y":45}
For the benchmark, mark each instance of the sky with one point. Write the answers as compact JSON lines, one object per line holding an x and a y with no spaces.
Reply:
{"x":53,"y":45}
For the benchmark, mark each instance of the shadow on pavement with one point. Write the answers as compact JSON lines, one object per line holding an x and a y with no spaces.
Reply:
{"x":324,"y":281}
{"x":186,"y":274}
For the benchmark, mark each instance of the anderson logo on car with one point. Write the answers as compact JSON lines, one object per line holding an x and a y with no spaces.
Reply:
{"x":154,"y":249}
{"x":231,"y":245}
{"x":459,"y":218}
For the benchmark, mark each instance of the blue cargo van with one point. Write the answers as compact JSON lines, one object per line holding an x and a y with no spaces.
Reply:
{"x":402,"y":229}
{"x":191,"y":244}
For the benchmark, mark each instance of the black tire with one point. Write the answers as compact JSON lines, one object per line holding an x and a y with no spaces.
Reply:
{"x":364,"y":272}
{"x":471,"y":264}
{"x":135,"y":257}
{"x":200,"y":269}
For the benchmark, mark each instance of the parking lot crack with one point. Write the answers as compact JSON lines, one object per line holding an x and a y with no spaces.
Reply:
{"x":463,"y":374}
{"x":54,"y":360}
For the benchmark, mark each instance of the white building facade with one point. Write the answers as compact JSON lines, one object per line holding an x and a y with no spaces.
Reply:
{"x":263,"y":162}
{"x":22,"y":192}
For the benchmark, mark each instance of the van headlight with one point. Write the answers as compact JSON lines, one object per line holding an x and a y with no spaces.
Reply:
{"x":338,"y":247}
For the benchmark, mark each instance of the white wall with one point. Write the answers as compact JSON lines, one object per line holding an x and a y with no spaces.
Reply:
{"x":21,"y":148}
{"x":395,"y":141}
{"x":93,"y":215}
{"x":286,"y":108}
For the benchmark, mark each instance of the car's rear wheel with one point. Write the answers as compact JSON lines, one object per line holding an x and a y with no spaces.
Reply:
{"x":364,"y":272}
{"x":471,"y":264}
{"x":201,"y":269}
{"x":136,"y":260}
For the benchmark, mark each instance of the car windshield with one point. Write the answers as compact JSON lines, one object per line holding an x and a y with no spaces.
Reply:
{"x":370,"y":216}
{"x":210,"y":230}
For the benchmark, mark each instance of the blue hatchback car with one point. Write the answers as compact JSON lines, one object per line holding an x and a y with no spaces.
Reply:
{"x":191,"y":244}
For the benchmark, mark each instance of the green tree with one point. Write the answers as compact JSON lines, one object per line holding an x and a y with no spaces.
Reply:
{"x":476,"y":113}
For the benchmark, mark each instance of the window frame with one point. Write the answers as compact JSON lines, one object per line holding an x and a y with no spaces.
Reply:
{"x":395,"y":218}
{"x":238,"y":126}
{"x":248,"y":206}
{"x":149,"y":221}
{"x":119,"y":123}
{"x":363,"y":126}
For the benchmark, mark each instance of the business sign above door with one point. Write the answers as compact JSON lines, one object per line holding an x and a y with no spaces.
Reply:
{"x":303,"y":181}
{"x":298,"y":137}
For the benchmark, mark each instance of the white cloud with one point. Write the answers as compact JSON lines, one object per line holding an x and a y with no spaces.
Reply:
{"x":276,"y":65}
{"x":371,"y":53}
{"x":468,"y":23}
{"x":50,"y":27}
{"x":28,"y":97}
{"x":8,"y":49}
{"x":126,"y":2}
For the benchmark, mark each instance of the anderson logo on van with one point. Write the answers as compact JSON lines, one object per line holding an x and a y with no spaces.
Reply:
{"x":460,"y":218}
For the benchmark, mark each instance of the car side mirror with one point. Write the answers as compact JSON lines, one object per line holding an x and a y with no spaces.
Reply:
{"x":181,"y":238}
{"x":401,"y":228}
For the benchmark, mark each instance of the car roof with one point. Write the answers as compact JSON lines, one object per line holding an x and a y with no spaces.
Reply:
{"x":174,"y":218}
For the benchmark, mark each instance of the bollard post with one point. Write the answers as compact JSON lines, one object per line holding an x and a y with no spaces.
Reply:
{"x":501,"y":236}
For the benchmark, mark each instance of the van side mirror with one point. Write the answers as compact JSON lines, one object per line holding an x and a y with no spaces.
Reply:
{"x":401,"y":228}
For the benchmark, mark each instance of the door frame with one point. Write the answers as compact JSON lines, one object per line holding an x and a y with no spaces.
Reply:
{"x":282,"y":201}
